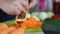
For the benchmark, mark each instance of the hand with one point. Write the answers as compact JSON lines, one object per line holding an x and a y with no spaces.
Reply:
{"x":14,"y":7}
{"x":10,"y":30}
{"x":33,"y":3}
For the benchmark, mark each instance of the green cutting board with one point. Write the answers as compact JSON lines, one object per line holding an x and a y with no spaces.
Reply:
{"x":9,"y":23}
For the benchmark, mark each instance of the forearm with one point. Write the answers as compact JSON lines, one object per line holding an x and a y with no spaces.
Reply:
{"x":2,"y":2}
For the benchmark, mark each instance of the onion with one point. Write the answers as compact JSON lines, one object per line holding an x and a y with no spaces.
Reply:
{"x":43,"y":15}
{"x":35,"y":14}
{"x":50,"y":14}
{"x":28,"y":15}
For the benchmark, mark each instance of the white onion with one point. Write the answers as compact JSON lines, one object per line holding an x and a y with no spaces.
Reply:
{"x":50,"y":14}
{"x":36,"y":18}
{"x":35,"y":13}
{"x":28,"y":15}
{"x":43,"y":15}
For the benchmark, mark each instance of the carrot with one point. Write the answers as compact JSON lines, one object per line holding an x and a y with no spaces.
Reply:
{"x":3,"y":26}
{"x":31,"y":23}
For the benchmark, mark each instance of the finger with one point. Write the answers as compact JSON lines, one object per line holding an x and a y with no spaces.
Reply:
{"x":3,"y":26}
{"x":20,"y":7}
{"x":24,"y":3}
{"x":6,"y":8}
{"x":33,"y":3}
{"x":18,"y":31}
{"x":16,"y":11}
{"x":9,"y":9}
{"x":8,"y":30}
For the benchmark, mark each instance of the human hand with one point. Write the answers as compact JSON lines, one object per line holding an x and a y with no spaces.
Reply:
{"x":33,"y":3}
{"x":14,"y":7}
{"x":10,"y":30}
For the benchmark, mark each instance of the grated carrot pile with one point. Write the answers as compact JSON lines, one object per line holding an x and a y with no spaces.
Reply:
{"x":30,"y":23}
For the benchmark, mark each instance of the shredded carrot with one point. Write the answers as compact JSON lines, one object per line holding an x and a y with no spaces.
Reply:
{"x":30,"y":23}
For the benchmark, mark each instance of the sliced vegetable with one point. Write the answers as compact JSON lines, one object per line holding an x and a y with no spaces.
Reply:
{"x":43,"y":15}
{"x":35,"y":14}
{"x":50,"y":14}
{"x":3,"y":26}
{"x":30,"y":23}
{"x":56,"y":16}
{"x":36,"y":18}
{"x":52,"y":21}
{"x":28,"y":15}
